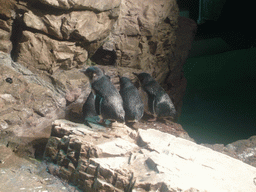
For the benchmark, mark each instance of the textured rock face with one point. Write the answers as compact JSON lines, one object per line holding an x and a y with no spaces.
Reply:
{"x":54,"y":37}
{"x":7,"y":14}
{"x":122,"y":159}
{"x":99,"y":5}
{"x":28,"y":105}
{"x":48,"y":35}
{"x":144,"y":36}
{"x":151,"y":37}
{"x":76,"y":25}
{"x":244,"y":150}
{"x":39,"y":52}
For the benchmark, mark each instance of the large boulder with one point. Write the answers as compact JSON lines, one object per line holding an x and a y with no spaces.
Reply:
{"x":122,"y":159}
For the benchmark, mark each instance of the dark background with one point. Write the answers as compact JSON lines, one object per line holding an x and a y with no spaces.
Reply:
{"x":219,"y":105}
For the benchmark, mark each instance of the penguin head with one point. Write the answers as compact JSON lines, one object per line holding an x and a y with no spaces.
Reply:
{"x":144,"y":77}
{"x":93,"y":73}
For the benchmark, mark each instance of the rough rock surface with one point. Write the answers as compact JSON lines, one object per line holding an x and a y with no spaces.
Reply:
{"x":20,"y":174}
{"x":39,"y":52}
{"x":176,"y":83}
{"x":144,"y":36}
{"x":28,"y":104}
{"x":52,"y":38}
{"x":122,"y":159}
{"x":7,"y":14}
{"x":99,"y":5}
{"x":151,"y":37}
{"x":244,"y":150}
{"x":48,"y":35}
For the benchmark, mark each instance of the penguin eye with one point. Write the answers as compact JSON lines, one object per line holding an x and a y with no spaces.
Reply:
{"x":94,"y":74}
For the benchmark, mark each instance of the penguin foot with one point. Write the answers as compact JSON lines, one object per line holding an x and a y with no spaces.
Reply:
{"x":153,"y":119}
{"x":131,"y":125}
{"x":95,"y":120}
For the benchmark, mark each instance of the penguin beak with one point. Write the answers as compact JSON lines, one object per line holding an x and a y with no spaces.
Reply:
{"x":136,"y":74}
{"x":87,"y":73}
{"x":83,"y":70}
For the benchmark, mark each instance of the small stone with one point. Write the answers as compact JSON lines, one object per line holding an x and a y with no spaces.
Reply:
{"x":9,"y":80}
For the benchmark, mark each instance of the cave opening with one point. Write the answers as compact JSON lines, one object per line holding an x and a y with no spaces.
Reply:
{"x":17,"y":28}
{"x":104,"y":57}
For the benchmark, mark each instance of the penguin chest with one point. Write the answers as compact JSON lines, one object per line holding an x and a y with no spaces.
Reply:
{"x":163,"y":106}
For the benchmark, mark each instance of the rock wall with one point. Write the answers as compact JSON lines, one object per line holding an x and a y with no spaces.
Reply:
{"x":59,"y":34}
{"x":28,"y":105}
{"x":7,"y":14}
{"x":128,"y":35}
{"x":50,"y":40}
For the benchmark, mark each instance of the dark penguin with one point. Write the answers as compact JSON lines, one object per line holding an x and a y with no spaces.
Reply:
{"x":133,"y":104}
{"x":89,"y":107}
{"x":159,"y":102}
{"x":108,"y":101}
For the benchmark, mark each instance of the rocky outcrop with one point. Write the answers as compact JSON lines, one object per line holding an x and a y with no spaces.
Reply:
{"x":7,"y":14}
{"x":59,"y":34}
{"x":50,"y":40}
{"x":29,"y":104}
{"x":144,"y":36}
{"x":244,"y":150}
{"x":20,"y":174}
{"x":39,"y":52}
{"x":122,"y":159}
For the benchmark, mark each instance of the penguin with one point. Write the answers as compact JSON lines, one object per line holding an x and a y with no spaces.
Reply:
{"x":132,"y":102}
{"x":89,"y":107}
{"x":108,"y":101}
{"x":159,"y":102}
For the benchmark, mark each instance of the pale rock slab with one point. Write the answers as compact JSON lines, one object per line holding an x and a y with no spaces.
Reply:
{"x":121,"y":159}
{"x":187,"y":164}
{"x":99,"y":5}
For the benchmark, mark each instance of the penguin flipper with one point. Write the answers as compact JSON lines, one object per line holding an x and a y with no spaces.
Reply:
{"x":98,"y":102}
